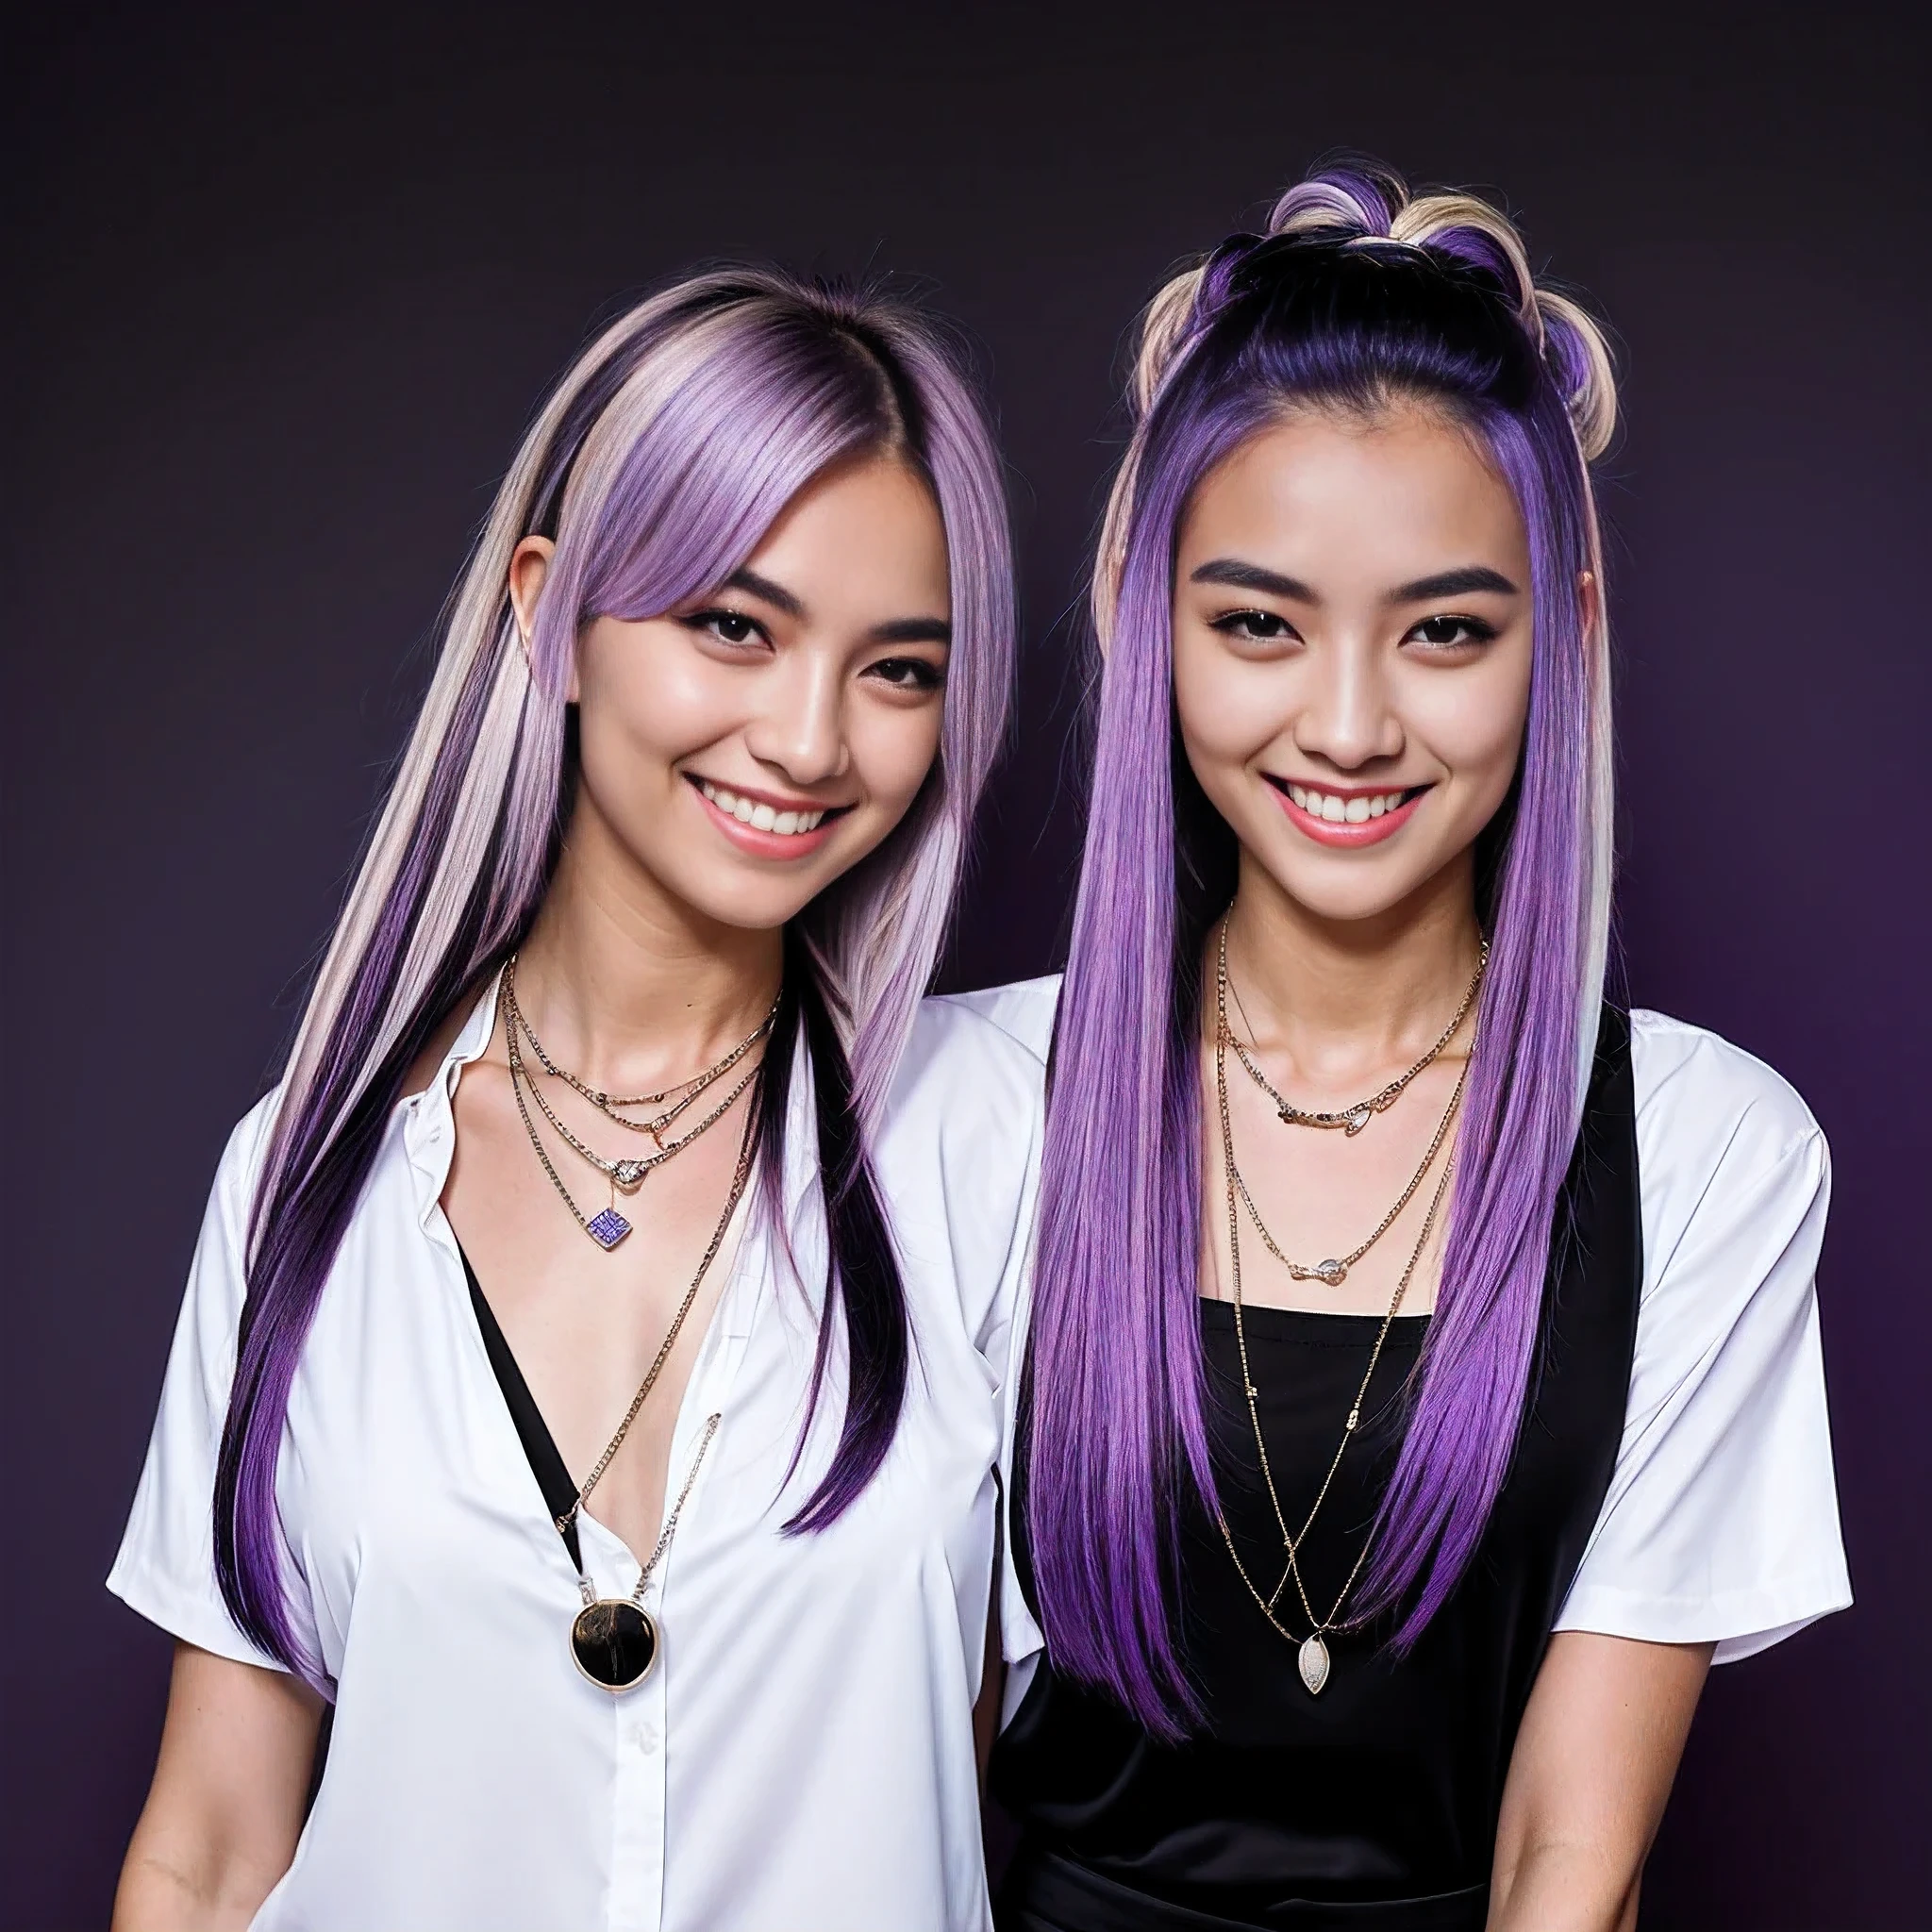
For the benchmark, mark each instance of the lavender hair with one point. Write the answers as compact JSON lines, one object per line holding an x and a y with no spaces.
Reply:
{"x":1356,"y":300}
{"x":657,"y":465}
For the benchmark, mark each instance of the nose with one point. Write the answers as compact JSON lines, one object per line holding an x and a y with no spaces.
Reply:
{"x":1346,"y":719}
{"x":799,"y":731}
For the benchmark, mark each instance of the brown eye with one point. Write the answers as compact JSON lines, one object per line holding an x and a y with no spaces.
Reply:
{"x":728,"y":626}
{"x":1446,"y":632}
{"x":906,"y":673}
{"x":1256,"y":626}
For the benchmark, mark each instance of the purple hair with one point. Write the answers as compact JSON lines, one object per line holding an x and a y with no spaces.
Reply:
{"x":1357,"y":299}
{"x":657,"y":464}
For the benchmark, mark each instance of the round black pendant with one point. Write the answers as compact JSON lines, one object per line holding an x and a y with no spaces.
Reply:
{"x":613,"y":1642}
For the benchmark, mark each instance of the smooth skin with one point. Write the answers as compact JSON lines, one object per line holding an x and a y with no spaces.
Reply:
{"x":1351,"y":618}
{"x":813,"y":680}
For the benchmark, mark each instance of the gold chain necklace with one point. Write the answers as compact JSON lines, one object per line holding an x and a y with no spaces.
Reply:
{"x":609,"y":1104}
{"x":1311,"y":1659}
{"x":1352,"y":1119}
{"x":1332,"y":1272}
{"x":614,"y":1640}
{"x":607,"y":1228}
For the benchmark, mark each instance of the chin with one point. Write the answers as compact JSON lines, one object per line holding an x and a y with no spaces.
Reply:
{"x":1343,"y":891}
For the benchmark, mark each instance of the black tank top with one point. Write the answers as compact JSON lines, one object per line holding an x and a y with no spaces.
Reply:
{"x":1373,"y":1804}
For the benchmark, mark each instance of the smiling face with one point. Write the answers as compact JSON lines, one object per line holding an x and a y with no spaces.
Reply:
{"x":745,"y":750}
{"x":1352,"y":640}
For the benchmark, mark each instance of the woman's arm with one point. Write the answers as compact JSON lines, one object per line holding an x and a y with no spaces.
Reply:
{"x":1587,"y":1780}
{"x":225,"y":1807}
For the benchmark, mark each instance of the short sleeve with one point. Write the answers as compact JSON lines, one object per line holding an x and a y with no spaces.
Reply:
{"x":1720,"y":1525}
{"x":165,"y":1569}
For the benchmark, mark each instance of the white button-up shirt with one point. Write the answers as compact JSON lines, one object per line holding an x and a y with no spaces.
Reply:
{"x":802,"y":1757}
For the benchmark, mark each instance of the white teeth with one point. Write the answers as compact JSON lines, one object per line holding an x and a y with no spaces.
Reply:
{"x":1339,"y":811}
{"x":760,"y":818}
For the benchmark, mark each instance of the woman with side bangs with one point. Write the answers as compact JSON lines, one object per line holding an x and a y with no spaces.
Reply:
{"x":591,"y":1380}
{"x":1424,"y":1382}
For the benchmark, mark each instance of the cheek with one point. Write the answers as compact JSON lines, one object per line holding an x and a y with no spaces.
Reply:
{"x":646,"y":694}
{"x":1226,"y":709}
{"x":1472,"y":723}
{"x":894,"y":748}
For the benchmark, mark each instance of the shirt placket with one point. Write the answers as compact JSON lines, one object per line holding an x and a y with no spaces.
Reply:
{"x":639,"y":1788}
{"x":637,"y":1821}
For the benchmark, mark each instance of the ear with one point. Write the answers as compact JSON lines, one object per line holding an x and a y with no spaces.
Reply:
{"x":529,"y":565}
{"x":1590,"y":598}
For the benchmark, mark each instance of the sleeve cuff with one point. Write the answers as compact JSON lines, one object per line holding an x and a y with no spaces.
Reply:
{"x":191,"y":1619}
{"x":1740,"y":1622}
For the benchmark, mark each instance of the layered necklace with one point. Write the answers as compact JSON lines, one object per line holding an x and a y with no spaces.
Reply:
{"x":1351,"y":1120}
{"x":1312,"y":1658}
{"x":609,"y":1227}
{"x":613,"y":1640}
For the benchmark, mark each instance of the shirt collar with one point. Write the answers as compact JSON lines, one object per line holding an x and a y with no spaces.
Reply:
{"x":430,"y":1129}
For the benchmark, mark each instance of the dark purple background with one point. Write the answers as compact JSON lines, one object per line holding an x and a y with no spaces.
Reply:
{"x":280,"y":296}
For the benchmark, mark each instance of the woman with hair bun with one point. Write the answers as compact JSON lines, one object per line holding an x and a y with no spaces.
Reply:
{"x":1424,"y":1382}
{"x":590,"y":1382}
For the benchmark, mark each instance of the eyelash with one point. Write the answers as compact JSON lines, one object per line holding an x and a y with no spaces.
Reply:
{"x":925,"y":677}
{"x":897,"y":674}
{"x":709,"y":621}
{"x":1245,"y":624}
{"x":1480,"y":631}
{"x":1240,"y":624}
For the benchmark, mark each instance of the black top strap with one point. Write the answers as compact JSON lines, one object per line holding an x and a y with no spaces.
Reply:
{"x":546,"y":1464}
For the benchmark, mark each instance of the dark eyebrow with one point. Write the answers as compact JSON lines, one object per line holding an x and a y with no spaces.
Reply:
{"x":1252,"y":577}
{"x":1454,"y":583}
{"x":912,"y":630}
{"x":776,"y":595}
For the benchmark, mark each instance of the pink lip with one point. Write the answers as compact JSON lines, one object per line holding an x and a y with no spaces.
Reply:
{"x":757,"y":844}
{"x":1344,"y":835}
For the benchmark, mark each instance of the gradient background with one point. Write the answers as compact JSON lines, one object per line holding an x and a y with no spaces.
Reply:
{"x":283,"y":289}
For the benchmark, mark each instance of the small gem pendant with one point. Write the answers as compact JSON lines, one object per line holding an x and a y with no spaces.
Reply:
{"x":1313,"y":1661}
{"x":628,"y":1174}
{"x":1359,"y":1120}
{"x":1329,"y":1274}
{"x":608,"y":1228}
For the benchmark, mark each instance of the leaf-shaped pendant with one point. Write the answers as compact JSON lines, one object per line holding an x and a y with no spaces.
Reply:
{"x":1313,"y":1660}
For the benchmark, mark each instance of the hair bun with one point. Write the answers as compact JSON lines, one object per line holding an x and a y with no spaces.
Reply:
{"x":1163,"y":329}
{"x":1366,"y":204}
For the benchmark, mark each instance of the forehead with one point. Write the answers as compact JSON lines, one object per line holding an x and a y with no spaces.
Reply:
{"x":873,"y":509}
{"x":1392,"y":496}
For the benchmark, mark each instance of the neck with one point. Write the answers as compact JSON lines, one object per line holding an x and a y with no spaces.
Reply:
{"x":1344,"y":998}
{"x":630,"y":987}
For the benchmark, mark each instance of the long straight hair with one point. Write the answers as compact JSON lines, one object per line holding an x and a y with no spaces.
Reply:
{"x":1357,"y":299}
{"x":657,"y":465}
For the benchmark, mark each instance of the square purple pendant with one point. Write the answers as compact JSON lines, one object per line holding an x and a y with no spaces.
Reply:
{"x":608,"y":1228}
